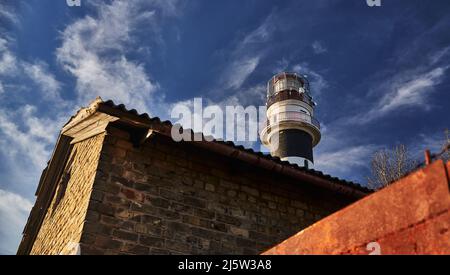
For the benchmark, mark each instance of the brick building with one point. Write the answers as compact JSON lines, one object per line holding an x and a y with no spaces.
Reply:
{"x":118,"y":184}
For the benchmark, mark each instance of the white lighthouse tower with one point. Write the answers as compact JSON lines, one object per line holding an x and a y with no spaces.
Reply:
{"x":291,"y":131}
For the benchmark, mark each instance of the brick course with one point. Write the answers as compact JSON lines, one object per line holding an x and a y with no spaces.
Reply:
{"x":63,"y":222}
{"x":125,"y":187}
{"x":172,"y":198}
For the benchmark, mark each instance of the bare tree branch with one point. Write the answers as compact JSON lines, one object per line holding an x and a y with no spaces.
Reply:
{"x":389,"y":166}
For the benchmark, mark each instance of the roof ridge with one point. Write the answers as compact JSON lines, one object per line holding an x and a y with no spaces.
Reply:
{"x":122,"y":107}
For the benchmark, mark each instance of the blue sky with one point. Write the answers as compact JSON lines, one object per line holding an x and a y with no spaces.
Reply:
{"x":380,"y":75}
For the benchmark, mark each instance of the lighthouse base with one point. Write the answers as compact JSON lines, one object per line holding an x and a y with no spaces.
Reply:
{"x":302,"y":162}
{"x":293,"y":145}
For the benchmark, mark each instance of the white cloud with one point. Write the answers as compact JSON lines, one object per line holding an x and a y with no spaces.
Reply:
{"x":26,"y":142}
{"x":239,"y":71}
{"x":405,"y":89}
{"x":343,"y":161}
{"x":168,"y":7}
{"x":340,"y":154}
{"x":244,"y":59}
{"x":410,"y":92}
{"x":39,"y":127}
{"x":94,"y":50}
{"x":3,"y":44}
{"x":318,"y":47}
{"x":343,"y":154}
{"x":8,"y":14}
{"x":7,"y":59}
{"x":260,"y":34}
{"x":439,"y":55}
{"x":246,"y":55}
{"x":25,"y":137}
{"x":14,"y":210}
{"x":8,"y":63}
{"x":16,"y":70}
{"x":47,"y":83}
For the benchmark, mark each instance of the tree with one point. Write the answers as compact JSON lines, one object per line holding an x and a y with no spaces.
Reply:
{"x":445,"y":153}
{"x":389,"y":166}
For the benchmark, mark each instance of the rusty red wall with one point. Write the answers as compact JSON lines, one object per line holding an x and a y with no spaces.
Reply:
{"x":410,"y":216}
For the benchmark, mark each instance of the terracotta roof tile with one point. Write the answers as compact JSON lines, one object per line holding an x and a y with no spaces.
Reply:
{"x":167,"y":123}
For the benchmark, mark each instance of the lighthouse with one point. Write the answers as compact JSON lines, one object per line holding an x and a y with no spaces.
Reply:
{"x":291,"y":131}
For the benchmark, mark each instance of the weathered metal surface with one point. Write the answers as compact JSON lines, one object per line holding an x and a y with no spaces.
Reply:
{"x":409,"y":217}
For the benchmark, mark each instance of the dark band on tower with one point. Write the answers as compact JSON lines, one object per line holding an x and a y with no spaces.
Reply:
{"x":292,"y":131}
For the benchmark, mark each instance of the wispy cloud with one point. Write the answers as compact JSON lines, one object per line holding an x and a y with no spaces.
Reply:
{"x":342,"y":162}
{"x":14,"y":210}
{"x":340,"y":153}
{"x":26,"y":141}
{"x":407,"y":89}
{"x":94,"y":51}
{"x":410,"y":92}
{"x":437,"y":57}
{"x":239,"y":71}
{"x":8,"y":14}
{"x":39,"y":74}
{"x":261,"y":34}
{"x":247,"y":54}
{"x":318,"y":47}
{"x":243,"y":60}
{"x":8,"y":62}
{"x":26,"y":136}
{"x":15,"y":69}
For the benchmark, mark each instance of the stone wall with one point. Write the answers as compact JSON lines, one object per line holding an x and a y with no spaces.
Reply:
{"x":63,"y":223}
{"x":411,"y":216}
{"x":173,"y":198}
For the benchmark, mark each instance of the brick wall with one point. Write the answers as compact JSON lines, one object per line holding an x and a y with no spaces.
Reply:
{"x":412,"y":216}
{"x":63,"y":223}
{"x":171,"y":198}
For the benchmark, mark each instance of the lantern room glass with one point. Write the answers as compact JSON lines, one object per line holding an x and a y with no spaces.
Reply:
{"x":287,"y":81}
